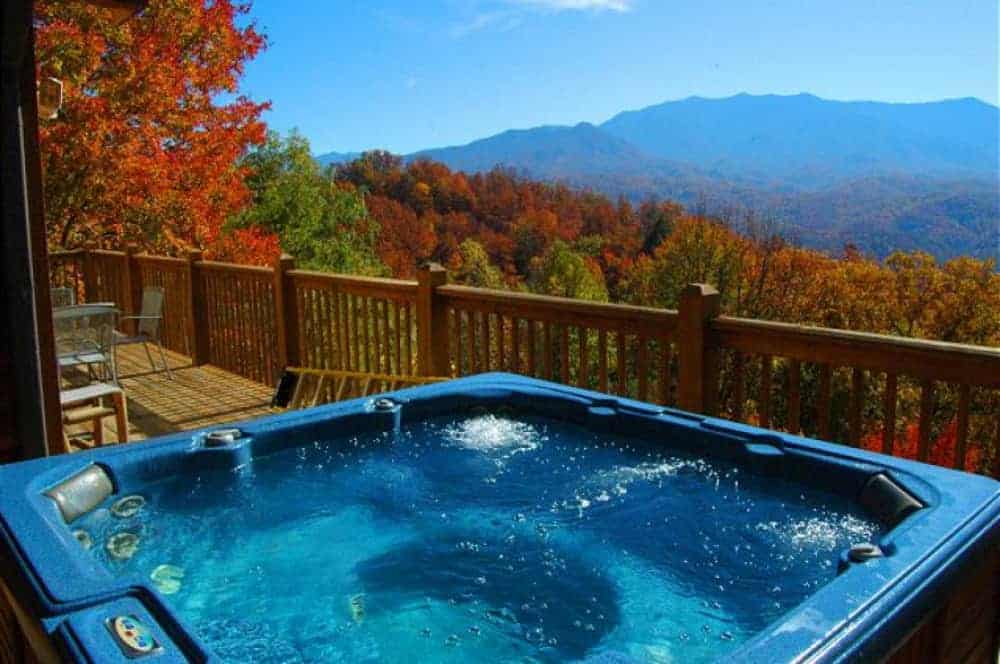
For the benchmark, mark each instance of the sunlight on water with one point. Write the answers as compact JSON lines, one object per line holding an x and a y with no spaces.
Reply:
{"x":823,"y":531}
{"x":476,"y":539}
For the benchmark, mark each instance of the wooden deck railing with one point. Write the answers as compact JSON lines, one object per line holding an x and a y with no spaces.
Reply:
{"x":831,"y":384}
{"x":873,"y":368}
{"x":352,"y":323}
{"x":623,"y":349}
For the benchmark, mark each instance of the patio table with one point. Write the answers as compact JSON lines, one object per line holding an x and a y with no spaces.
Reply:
{"x":83,"y":334}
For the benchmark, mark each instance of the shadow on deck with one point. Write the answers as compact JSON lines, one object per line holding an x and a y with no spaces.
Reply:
{"x":196,"y":397}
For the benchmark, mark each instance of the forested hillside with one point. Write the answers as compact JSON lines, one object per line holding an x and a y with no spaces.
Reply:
{"x":880,"y":176}
{"x":381,"y":215}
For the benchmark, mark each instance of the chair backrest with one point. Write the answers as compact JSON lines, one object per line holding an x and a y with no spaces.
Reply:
{"x":63,"y":296}
{"x":152,"y":311}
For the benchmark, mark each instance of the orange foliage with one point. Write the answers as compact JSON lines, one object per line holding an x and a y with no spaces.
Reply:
{"x":246,"y":245}
{"x":406,"y":238}
{"x":142,"y":150}
{"x":426,"y":210}
{"x":940,"y":453}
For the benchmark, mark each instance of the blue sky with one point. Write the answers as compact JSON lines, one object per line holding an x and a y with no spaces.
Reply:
{"x":405,"y":75}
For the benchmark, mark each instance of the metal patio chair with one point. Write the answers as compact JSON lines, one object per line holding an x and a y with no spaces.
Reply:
{"x":84,"y":335}
{"x":148,"y":325}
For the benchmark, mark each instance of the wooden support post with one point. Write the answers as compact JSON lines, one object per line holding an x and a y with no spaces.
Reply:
{"x":432,"y":322}
{"x":697,"y":357}
{"x":286,"y":314}
{"x":196,"y":330}
{"x":131,"y":287}
{"x":87,"y":267}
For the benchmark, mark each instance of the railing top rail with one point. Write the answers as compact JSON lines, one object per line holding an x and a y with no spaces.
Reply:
{"x":919,"y":358}
{"x":216,"y":266}
{"x":647,"y":321}
{"x":161,"y":260}
{"x":106,"y":252}
{"x":66,"y":253}
{"x":374,"y":286}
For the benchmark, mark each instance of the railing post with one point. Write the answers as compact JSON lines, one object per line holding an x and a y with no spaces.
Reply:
{"x":87,"y":270}
{"x":697,"y":382}
{"x":131,"y":286}
{"x":432,"y":322}
{"x":196,"y":330}
{"x":286,"y":313}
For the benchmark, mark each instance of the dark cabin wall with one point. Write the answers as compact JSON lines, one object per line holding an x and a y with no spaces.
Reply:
{"x":9,"y":450}
{"x":30,"y":421}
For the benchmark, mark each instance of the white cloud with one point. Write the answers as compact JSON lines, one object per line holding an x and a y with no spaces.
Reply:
{"x":578,"y":5}
{"x":512,"y":13}
{"x":497,"y":20}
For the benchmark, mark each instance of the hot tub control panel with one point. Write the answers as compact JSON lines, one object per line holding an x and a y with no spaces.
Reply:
{"x":133,"y":637}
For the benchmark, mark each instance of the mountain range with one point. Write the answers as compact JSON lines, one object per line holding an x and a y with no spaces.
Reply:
{"x":881,"y":176}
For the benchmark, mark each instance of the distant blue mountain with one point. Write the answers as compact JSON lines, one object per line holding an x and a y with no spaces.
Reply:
{"x":880,"y":175}
{"x":336,"y":158}
{"x":798,"y":140}
{"x":810,"y":141}
{"x":553,"y":150}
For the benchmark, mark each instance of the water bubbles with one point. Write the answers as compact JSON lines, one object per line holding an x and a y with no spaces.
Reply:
{"x":498,"y":436}
{"x":481,"y":580}
{"x":824,"y":531}
{"x":452,"y":640}
{"x":500,"y":616}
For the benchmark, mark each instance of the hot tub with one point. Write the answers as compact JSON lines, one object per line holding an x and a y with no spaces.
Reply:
{"x":494,"y":518}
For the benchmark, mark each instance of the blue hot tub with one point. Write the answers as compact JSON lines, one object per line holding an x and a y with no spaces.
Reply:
{"x":492,"y":518}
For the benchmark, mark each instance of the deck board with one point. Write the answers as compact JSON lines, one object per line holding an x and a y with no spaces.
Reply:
{"x":197,"y":396}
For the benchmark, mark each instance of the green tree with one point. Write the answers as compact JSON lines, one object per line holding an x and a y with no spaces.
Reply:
{"x":563,"y":272}
{"x":697,"y":250}
{"x":474,"y":267}
{"x":324,"y":224}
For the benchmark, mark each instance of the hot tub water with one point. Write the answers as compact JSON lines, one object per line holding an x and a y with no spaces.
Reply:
{"x":482,"y":537}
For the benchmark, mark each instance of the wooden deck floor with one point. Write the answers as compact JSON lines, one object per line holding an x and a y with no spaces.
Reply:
{"x":196,"y":397}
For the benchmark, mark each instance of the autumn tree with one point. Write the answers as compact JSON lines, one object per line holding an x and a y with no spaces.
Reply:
{"x":147,"y":145}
